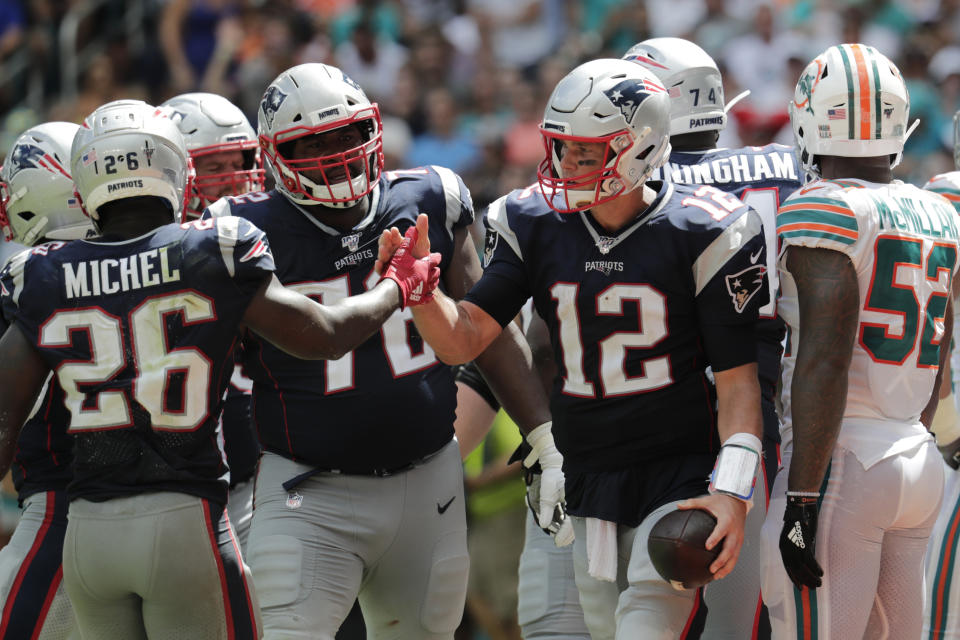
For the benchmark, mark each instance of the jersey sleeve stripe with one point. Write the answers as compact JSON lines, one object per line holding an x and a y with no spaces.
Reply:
{"x":17,"y":266}
{"x":809,"y":233}
{"x":497,"y":220}
{"x":818,"y":204}
{"x":451,"y":192}
{"x":816,"y":226}
{"x":228,"y":231}
{"x":952,"y":196}
{"x":724,"y":247}
{"x":818,"y":216}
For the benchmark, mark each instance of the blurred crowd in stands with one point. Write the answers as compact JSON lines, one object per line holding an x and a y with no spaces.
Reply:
{"x":461,"y":83}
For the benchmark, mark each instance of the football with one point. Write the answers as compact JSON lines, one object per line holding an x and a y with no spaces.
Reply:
{"x":677,"y":548}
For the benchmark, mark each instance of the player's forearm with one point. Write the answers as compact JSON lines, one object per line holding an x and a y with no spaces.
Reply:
{"x":738,"y":402}
{"x":829,"y":300}
{"x":449,"y":329}
{"x":508,"y":368}
{"x":349,"y":323}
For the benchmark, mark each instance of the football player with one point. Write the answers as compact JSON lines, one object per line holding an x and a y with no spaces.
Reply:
{"x":941,"y":615}
{"x":226,"y":161}
{"x":642,"y":285}
{"x":865,"y":272}
{"x":548,"y":604}
{"x":37,"y":204}
{"x":139,"y":325}
{"x":762,"y":177}
{"x":360,"y":489}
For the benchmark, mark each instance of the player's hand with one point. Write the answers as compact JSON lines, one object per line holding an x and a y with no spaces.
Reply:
{"x":416,"y":278}
{"x":391,"y":239}
{"x":559,"y":527}
{"x":798,"y":541}
{"x":731,"y":515}
{"x":551,"y":476}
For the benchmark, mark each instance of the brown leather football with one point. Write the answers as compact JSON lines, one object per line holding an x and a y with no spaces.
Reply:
{"x":676,"y":547}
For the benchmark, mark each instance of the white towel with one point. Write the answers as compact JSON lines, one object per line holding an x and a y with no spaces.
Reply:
{"x":602,"y":549}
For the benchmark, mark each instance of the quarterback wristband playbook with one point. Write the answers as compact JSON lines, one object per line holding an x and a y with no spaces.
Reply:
{"x":735,"y":472}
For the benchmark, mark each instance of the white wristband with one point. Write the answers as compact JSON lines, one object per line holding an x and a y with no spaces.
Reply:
{"x":735,"y":472}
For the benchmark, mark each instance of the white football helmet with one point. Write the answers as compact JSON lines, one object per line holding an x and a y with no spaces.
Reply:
{"x":692,"y":80}
{"x":618,"y":104}
{"x":313,"y":99}
{"x":212,"y":124}
{"x":37,"y":200}
{"x":850,"y":101}
{"x":125,"y":149}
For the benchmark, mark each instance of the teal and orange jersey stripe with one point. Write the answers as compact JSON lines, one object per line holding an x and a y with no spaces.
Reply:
{"x":818,"y":218}
{"x":943,"y":577}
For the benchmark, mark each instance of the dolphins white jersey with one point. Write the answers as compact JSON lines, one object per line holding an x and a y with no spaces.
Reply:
{"x":948,"y":185}
{"x":902,"y":242}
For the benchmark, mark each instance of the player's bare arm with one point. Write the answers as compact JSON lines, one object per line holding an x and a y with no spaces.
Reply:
{"x":457,"y":331}
{"x":506,"y":363}
{"x":738,"y":411}
{"x":829,"y":316}
{"x":22,"y":374}
{"x":311,"y":331}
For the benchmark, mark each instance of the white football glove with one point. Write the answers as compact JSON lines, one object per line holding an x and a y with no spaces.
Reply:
{"x":551,"y":478}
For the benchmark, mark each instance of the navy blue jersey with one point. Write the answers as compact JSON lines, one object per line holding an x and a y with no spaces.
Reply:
{"x":634,"y":320}
{"x":44,"y":453}
{"x":763,"y":177}
{"x":140,"y":334}
{"x":240,"y":443}
{"x":389,"y":402}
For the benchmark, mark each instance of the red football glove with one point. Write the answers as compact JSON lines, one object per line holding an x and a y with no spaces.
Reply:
{"x":416,"y":278}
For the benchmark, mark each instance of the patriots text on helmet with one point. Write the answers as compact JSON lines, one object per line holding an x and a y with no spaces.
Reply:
{"x":735,"y":169}
{"x":109,"y":276}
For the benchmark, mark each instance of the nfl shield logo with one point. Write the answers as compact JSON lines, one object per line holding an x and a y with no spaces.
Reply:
{"x":294,"y":500}
{"x":351,"y":242}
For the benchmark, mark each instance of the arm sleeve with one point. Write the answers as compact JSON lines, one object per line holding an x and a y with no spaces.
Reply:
{"x":245,"y":252}
{"x":503,"y":289}
{"x":818,"y":221}
{"x":731,"y":286}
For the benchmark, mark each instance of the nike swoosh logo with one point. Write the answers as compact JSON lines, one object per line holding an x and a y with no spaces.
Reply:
{"x":755,"y":256}
{"x":440,"y":509}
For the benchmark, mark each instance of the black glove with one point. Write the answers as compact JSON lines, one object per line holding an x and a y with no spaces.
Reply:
{"x":798,"y":541}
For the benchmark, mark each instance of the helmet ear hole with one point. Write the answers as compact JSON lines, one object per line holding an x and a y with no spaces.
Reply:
{"x":643,"y":154}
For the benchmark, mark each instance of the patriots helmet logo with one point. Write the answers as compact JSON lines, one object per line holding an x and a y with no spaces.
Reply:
{"x":350,"y":81}
{"x":629,"y":94}
{"x":744,"y":285}
{"x":273,"y":97}
{"x":26,"y":156}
